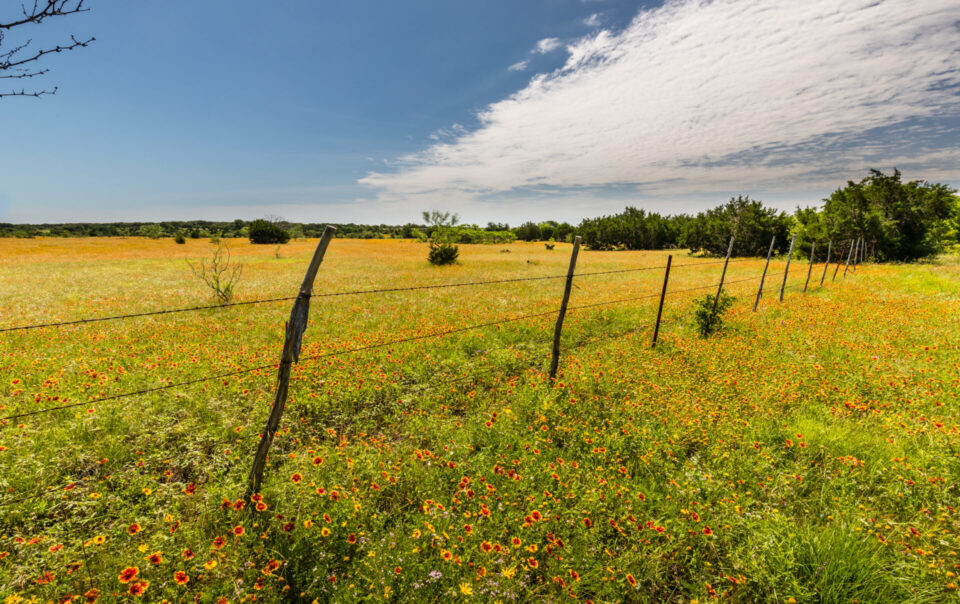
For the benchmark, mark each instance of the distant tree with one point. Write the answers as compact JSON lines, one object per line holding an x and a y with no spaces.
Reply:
{"x":442,"y":249}
{"x":153,"y":231}
{"x":528,"y":231}
{"x":747,"y":220}
{"x":264,"y":232}
{"x":21,"y":60}
{"x":904,"y":221}
{"x":497,"y":226}
{"x":632,"y":229}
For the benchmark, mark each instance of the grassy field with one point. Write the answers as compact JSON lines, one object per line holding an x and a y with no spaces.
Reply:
{"x":808,"y":453}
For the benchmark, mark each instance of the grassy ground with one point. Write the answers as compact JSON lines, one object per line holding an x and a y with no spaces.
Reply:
{"x":807,"y":453}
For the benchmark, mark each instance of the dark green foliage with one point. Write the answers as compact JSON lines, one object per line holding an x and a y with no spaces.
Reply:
{"x":542,"y":231}
{"x":903,"y":221}
{"x":747,"y":220}
{"x":180,"y":238}
{"x":442,"y":235}
{"x":710,"y":320}
{"x":442,"y":253}
{"x":261,"y":231}
{"x":632,"y":229}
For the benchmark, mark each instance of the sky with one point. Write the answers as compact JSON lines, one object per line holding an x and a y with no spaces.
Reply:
{"x":501,"y":111}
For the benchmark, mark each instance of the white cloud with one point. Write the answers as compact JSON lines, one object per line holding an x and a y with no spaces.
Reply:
{"x":518,"y":66}
{"x":546,"y":45}
{"x":702,"y":96}
{"x":593,"y":20}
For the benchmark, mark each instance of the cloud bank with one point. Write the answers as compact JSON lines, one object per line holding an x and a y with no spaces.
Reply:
{"x":702,"y":96}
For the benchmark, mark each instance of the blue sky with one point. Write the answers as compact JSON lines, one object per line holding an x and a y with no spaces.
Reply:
{"x":502,"y":111}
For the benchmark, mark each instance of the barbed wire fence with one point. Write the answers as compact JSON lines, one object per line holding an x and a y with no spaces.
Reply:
{"x":853,"y":250}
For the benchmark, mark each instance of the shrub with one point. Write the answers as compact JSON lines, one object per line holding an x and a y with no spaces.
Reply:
{"x":153,"y":231}
{"x":709,"y":319}
{"x":261,"y":231}
{"x":180,"y":238}
{"x":220,"y":273}
{"x":442,"y":253}
{"x":442,"y":249}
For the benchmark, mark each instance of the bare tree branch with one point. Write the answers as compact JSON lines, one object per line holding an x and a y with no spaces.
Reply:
{"x":13,"y":61}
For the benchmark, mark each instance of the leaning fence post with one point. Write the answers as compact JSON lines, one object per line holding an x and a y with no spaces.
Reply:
{"x":291,"y":354}
{"x":826,"y":264}
{"x":839,"y":262}
{"x":813,"y":247}
{"x":764,"y":275}
{"x":555,"y":360}
{"x":722,"y":275}
{"x":783,"y":286}
{"x":849,"y":256}
{"x":663,"y":294}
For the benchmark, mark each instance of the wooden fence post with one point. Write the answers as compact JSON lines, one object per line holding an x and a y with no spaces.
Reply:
{"x":813,"y":248}
{"x":555,"y":360}
{"x":839,"y":262}
{"x":849,"y":256}
{"x":764,"y":275}
{"x":722,"y":275}
{"x":663,"y":294}
{"x":826,"y":264}
{"x":291,"y":354}
{"x":783,"y":286}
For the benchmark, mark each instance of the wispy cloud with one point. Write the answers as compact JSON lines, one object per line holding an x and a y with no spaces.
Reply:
{"x":518,"y":66}
{"x":593,"y":20}
{"x":546,"y":45}
{"x":700,"y":96}
{"x":446,"y":133}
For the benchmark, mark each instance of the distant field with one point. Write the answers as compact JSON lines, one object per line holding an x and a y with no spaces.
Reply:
{"x":808,"y":453}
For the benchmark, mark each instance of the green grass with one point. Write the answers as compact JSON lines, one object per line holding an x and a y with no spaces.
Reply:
{"x":807,"y":452}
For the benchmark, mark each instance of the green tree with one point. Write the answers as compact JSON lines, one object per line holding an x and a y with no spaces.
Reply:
{"x":265,"y":232}
{"x":442,"y":235}
{"x":747,"y":220}
{"x":904,"y":221}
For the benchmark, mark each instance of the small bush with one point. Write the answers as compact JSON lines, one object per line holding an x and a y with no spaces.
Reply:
{"x":220,"y":273}
{"x":549,"y":246}
{"x":180,"y":238}
{"x":261,"y":231}
{"x":442,"y":253}
{"x":710,"y":321}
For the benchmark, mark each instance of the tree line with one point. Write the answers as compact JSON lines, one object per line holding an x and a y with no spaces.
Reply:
{"x":899,"y":220}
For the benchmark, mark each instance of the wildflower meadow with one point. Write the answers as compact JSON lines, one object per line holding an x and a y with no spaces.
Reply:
{"x":805,"y":452}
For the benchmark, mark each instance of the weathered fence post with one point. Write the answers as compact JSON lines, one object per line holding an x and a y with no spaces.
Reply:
{"x":813,"y":247}
{"x":555,"y":360}
{"x":849,"y":256}
{"x":839,"y":262}
{"x":291,"y":354}
{"x":722,"y":275}
{"x":783,"y":286}
{"x":826,"y":264}
{"x":856,"y":253}
{"x":663,"y":294}
{"x":764,"y":275}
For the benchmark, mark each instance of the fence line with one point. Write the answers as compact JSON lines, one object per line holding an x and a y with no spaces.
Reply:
{"x":4,"y":420}
{"x":305,"y":294}
{"x":332,"y":295}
